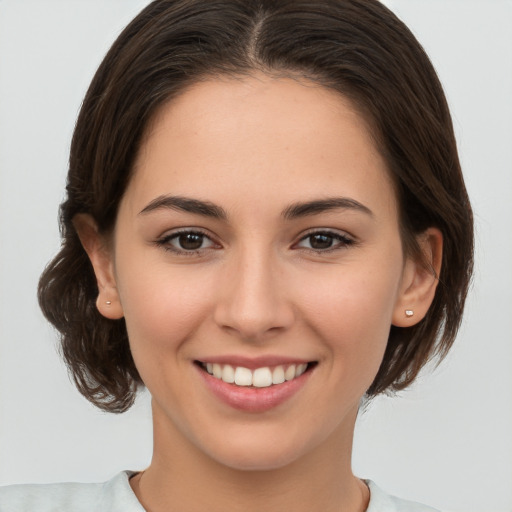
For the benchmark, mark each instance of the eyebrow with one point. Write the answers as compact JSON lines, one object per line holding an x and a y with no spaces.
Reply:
{"x":323,"y":205}
{"x":294,"y":211}
{"x":186,"y":204}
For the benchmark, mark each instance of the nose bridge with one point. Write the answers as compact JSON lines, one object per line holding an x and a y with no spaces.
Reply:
{"x":253,"y":302}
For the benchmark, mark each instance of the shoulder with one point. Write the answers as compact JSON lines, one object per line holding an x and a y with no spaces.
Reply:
{"x":115,"y":495}
{"x":382,"y":502}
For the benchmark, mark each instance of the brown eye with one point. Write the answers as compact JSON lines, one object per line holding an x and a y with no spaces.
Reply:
{"x":190,"y":241}
{"x":186,"y":242}
{"x":325,"y":241}
{"x":321,"y":241}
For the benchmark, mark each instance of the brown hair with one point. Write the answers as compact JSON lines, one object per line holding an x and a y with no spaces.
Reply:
{"x":356,"y":47}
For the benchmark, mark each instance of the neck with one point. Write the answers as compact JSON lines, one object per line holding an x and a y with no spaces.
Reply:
{"x":183,"y":478}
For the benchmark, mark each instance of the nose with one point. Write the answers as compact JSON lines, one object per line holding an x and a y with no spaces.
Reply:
{"x":253,"y":302}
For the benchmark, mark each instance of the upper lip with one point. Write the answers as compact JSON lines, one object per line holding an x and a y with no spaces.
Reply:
{"x":252,"y":363}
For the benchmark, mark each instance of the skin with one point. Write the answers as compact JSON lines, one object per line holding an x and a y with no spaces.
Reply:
{"x":258,"y":286}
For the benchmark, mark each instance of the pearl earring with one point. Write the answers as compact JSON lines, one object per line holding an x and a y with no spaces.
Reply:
{"x":409,"y":313}
{"x":108,"y":303}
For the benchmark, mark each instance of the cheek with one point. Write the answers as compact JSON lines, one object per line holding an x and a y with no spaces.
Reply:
{"x":351,"y":314}
{"x":162,"y":309}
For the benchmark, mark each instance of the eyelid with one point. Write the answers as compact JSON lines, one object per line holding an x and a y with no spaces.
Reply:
{"x":164,"y":240}
{"x":344,"y":239}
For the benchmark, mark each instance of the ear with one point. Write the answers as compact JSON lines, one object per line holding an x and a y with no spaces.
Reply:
{"x":419,"y":280}
{"x":96,"y":247}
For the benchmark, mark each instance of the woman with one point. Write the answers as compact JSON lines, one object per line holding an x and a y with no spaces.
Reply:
{"x":266,"y":222}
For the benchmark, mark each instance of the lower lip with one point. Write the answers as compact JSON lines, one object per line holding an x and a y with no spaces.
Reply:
{"x":252,"y":399}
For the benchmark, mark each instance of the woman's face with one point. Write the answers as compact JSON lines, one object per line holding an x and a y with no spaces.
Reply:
{"x":258,"y":239}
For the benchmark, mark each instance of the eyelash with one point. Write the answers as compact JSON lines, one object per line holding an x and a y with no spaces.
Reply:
{"x":343,"y":240}
{"x":165,"y":242}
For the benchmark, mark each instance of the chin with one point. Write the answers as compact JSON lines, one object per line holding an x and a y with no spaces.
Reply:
{"x":244,"y":460}
{"x":259,"y":451}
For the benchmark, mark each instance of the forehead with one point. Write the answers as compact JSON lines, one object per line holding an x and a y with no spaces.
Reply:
{"x":276,"y":137}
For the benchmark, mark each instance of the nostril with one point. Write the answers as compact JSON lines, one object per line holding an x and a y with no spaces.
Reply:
{"x":252,"y":325}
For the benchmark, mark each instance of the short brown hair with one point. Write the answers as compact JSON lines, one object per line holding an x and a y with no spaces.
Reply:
{"x":356,"y":47}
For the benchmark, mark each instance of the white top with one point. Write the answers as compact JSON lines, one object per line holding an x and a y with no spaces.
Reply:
{"x":116,"y":495}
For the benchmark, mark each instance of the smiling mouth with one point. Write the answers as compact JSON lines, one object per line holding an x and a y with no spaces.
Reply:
{"x":263,"y":377}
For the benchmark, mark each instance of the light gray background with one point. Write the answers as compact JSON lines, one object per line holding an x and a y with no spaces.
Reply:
{"x":446,"y":442}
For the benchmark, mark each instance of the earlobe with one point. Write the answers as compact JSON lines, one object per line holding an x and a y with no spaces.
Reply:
{"x":100,"y":255}
{"x":419,"y":280}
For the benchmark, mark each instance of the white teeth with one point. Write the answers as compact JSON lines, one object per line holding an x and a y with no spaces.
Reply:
{"x":228,"y":374}
{"x":289,"y":374}
{"x":243,"y":376}
{"x":300,"y":369}
{"x":217,"y":371}
{"x":262,"y":378}
{"x":259,"y":378}
{"x":278,"y":375}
